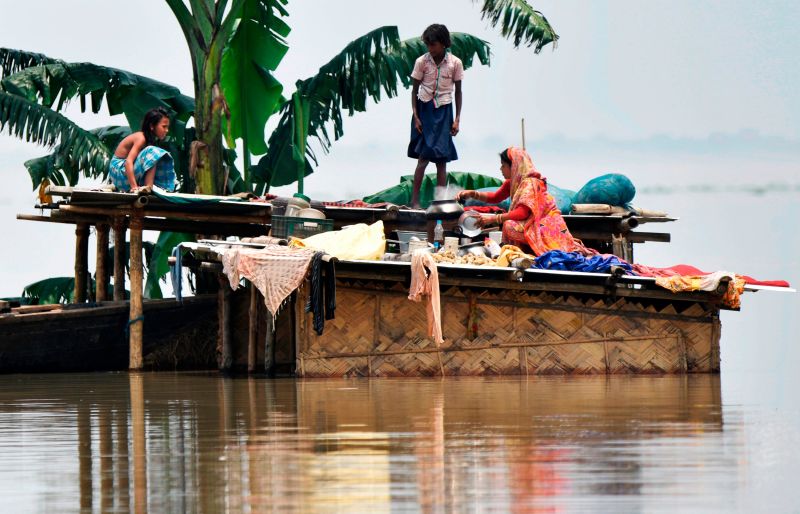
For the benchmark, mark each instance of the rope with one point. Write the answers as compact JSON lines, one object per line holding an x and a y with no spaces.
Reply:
{"x":131,"y":322}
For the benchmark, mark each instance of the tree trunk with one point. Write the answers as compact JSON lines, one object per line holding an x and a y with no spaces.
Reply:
{"x":210,"y":174}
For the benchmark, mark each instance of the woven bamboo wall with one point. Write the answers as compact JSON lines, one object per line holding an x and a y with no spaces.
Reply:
{"x":379,"y":332}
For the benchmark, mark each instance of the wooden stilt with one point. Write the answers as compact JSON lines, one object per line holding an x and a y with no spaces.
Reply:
{"x":139,"y":443}
{"x":225,"y":334}
{"x":136,"y":321}
{"x":101,"y":272}
{"x":120,"y":259}
{"x":81,"y":263}
{"x":253,"y":332}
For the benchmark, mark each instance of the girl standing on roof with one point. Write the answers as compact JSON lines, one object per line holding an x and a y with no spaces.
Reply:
{"x":139,"y":162}
{"x":437,"y":82}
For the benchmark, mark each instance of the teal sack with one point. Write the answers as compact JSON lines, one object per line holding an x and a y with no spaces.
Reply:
{"x":563,"y":198}
{"x":611,"y":189}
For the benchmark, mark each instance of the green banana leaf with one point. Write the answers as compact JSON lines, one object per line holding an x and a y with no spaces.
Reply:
{"x":36,"y":123}
{"x":12,"y":61}
{"x":252,"y":93}
{"x":519,"y":20}
{"x":125,"y":93}
{"x":159,"y":265}
{"x":401,"y":193}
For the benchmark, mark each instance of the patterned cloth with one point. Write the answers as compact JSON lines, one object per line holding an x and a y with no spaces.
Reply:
{"x":149,"y":156}
{"x":710,"y":282}
{"x":546,"y":229}
{"x":437,"y":82}
{"x":275,"y":270}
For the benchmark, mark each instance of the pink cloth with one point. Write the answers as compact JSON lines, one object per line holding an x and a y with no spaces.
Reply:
{"x":687,"y":270}
{"x":276,"y":271}
{"x":437,"y":82}
{"x":425,"y":282}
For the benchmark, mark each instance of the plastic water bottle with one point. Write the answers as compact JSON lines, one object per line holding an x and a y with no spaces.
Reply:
{"x":438,"y":235}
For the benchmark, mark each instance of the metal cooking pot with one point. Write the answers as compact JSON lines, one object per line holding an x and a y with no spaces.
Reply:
{"x":443,"y":210}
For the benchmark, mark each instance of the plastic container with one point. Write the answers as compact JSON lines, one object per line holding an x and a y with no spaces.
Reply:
{"x":438,"y":235}
{"x":404,"y":236}
{"x":291,"y":226}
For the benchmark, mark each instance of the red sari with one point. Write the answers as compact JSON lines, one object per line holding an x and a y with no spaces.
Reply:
{"x":545,"y":229}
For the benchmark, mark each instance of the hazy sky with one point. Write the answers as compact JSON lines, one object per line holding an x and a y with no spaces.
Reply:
{"x":668,"y":92}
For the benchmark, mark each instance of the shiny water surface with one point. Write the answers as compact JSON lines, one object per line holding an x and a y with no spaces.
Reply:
{"x":201,"y":443}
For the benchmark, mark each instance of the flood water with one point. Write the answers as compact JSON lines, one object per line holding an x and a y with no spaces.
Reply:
{"x":202,"y":443}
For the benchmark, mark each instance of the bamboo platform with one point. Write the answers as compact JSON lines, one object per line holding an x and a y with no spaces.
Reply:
{"x":556,"y":326}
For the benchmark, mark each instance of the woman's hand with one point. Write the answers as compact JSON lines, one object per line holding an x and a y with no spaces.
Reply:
{"x":466,"y":193}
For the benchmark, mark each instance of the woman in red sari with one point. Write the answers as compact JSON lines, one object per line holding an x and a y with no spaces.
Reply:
{"x":533,"y":219}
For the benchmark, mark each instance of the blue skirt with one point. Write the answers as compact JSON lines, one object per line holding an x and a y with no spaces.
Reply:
{"x":435,"y":143}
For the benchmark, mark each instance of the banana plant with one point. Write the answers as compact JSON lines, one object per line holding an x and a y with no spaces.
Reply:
{"x":235,"y":46}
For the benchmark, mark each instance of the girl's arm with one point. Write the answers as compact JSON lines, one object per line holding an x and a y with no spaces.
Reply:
{"x":503,"y":192}
{"x":414,"y":93}
{"x":457,"y":121}
{"x":136,"y":147}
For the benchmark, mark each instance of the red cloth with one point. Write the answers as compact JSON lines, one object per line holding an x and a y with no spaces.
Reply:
{"x":687,"y":270}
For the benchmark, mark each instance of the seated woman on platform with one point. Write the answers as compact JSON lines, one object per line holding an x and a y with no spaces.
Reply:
{"x":138,"y":162}
{"x":533,"y":219}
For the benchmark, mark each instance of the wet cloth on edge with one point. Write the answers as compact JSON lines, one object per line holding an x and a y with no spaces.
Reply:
{"x":687,"y":270}
{"x":149,"y":156}
{"x":574,"y":261}
{"x":710,"y":282}
{"x":425,"y":282}
{"x":276,"y":271}
{"x":322,"y":298}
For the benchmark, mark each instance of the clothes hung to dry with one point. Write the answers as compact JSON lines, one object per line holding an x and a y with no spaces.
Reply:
{"x":276,"y":271}
{"x":425,"y":282}
{"x":322,"y":298}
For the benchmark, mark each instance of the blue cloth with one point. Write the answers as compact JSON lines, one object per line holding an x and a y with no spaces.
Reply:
{"x":611,"y":189}
{"x":149,"y":156}
{"x":176,"y":274}
{"x":435,"y":143}
{"x":573,"y":261}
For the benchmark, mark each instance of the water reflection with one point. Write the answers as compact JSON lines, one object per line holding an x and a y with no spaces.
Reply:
{"x":200,"y":443}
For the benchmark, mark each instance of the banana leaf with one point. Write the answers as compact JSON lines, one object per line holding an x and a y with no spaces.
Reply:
{"x":520,"y":21}
{"x":12,"y":61}
{"x":125,"y":93}
{"x":252,"y":93}
{"x":401,"y":193}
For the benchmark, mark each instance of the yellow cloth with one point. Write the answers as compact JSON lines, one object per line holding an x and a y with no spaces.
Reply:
{"x":355,"y":242}
{"x":510,"y":252}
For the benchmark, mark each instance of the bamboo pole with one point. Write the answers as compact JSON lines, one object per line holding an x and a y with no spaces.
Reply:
{"x":523,"y":133}
{"x":269,"y":345}
{"x":119,"y":258}
{"x":225,"y":334}
{"x":81,"y":263}
{"x":253,"y":330}
{"x":135,"y":322}
{"x":101,"y":272}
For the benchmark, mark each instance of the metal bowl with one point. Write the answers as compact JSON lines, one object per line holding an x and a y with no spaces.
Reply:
{"x":444,"y":210}
{"x":468,"y":221}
